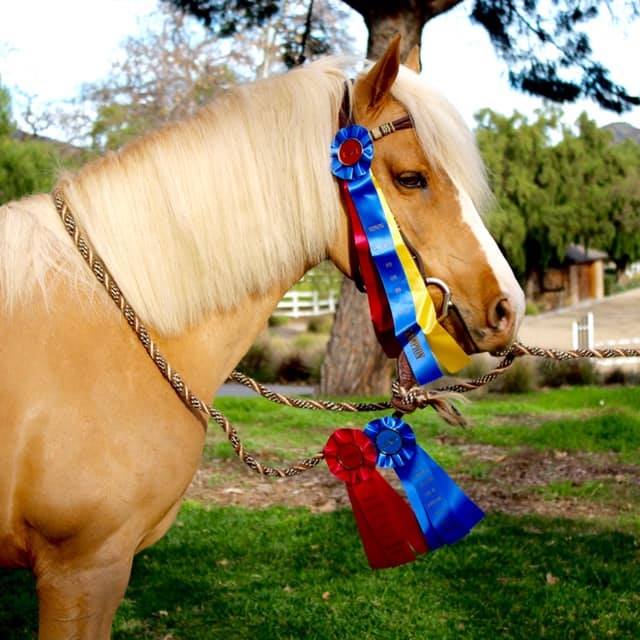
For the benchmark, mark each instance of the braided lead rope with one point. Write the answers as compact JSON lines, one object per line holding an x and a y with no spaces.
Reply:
{"x":173,"y":377}
{"x":519,"y":350}
{"x":308,"y":403}
{"x":404,"y":400}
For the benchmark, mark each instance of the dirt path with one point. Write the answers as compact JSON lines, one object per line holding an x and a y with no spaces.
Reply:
{"x":513,"y":483}
{"x":616,"y":317}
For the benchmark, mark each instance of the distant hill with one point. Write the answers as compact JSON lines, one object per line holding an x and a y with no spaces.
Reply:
{"x":623,"y":131}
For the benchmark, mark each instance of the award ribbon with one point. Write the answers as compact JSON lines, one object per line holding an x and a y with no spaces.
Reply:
{"x":443,"y":510}
{"x":378,"y":305}
{"x":389,"y":531}
{"x":396,"y":277}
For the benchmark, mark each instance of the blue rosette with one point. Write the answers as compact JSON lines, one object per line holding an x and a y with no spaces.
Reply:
{"x":444,"y":512}
{"x":351,"y":153}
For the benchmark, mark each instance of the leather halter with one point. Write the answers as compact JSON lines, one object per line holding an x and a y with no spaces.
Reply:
{"x":377,"y":133}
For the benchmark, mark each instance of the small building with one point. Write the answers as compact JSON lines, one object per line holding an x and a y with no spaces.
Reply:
{"x":579,"y":277}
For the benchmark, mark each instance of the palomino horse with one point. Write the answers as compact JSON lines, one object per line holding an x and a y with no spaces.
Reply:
{"x":204,"y":224}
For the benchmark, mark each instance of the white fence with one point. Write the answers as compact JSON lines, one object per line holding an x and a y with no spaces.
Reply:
{"x":300,"y":304}
{"x":583,"y":336}
{"x":583,"y":332}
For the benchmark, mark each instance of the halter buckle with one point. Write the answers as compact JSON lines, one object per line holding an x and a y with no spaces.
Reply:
{"x":446,"y":296}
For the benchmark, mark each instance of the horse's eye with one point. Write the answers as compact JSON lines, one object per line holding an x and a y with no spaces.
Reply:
{"x":412,"y":180}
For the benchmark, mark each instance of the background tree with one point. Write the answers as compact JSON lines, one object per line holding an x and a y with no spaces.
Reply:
{"x":624,"y":247}
{"x":286,"y":32}
{"x":547,"y":51}
{"x":175,"y":66}
{"x":26,"y":166}
{"x":548,"y":54}
{"x":583,"y":189}
{"x":163,"y":74}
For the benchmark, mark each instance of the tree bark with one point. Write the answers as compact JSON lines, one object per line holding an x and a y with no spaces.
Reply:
{"x":355,"y":363}
{"x":385,"y":18}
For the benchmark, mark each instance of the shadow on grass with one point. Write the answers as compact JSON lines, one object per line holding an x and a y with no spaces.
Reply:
{"x":278,"y":573}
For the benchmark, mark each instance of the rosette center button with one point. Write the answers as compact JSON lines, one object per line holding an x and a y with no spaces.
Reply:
{"x":350,"y":152}
{"x":389,"y":442}
{"x":350,"y":456}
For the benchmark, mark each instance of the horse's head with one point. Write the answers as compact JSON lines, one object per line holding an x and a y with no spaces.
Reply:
{"x":432,"y":178}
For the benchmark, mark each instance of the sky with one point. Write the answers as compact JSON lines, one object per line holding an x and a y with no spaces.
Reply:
{"x":49,"y":49}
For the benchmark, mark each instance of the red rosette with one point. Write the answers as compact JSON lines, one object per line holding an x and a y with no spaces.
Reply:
{"x":388,"y":528}
{"x":350,"y":455}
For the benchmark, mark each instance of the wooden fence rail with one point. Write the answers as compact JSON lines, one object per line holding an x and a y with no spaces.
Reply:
{"x":301,"y":304}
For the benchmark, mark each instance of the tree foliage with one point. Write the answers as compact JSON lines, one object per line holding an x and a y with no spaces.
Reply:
{"x":582,"y":189}
{"x":174,"y":67}
{"x":548,"y":52}
{"x":544,"y":44}
{"x":26,"y":166}
{"x":162,"y":75}
{"x":292,"y":30}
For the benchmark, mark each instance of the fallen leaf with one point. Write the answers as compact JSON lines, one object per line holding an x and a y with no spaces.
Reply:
{"x":551,"y":579}
{"x":325,"y":595}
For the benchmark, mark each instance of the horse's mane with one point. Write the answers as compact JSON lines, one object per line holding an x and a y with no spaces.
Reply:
{"x":229,"y":203}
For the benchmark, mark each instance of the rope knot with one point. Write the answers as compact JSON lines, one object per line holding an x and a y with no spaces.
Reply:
{"x":408,"y":400}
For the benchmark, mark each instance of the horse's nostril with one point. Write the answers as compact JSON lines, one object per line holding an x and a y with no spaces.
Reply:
{"x":501,"y":315}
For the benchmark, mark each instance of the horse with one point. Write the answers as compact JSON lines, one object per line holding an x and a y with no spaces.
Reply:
{"x":204,"y":224}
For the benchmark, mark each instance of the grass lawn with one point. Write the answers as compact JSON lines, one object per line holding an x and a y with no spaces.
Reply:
{"x":560,"y":561}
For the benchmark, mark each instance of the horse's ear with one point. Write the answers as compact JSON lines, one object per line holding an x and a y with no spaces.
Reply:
{"x":378,"y":81}
{"x":412,"y":60}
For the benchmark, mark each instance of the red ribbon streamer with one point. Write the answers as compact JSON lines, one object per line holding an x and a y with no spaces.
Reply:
{"x":378,"y":304}
{"x":388,"y":528}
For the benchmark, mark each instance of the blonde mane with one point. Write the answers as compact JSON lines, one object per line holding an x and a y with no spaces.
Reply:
{"x":202,"y":213}
{"x":447,"y":141}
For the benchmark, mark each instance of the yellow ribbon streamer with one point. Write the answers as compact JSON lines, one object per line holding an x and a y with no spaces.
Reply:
{"x":446,"y":350}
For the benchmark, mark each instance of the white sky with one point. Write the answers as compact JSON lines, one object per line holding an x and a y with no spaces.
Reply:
{"x":50,"y":48}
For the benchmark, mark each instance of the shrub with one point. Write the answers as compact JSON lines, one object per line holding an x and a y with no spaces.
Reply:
{"x":620,"y":375}
{"x":278,"y":321}
{"x":258,"y":362}
{"x":570,"y":372}
{"x":521,"y":377}
{"x":275,"y":358}
{"x":293,"y":368}
{"x":532,"y":309}
{"x":320,"y":324}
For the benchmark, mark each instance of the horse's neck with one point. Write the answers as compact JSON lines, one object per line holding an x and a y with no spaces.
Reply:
{"x":206,"y":354}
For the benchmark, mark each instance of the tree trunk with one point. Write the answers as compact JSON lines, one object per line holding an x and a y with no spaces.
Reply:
{"x":355,"y":363}
{"x":384,"y":22}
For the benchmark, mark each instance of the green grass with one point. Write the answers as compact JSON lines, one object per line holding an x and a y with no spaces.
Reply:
{"x":279,"y":573}
{"x":577,"y":419}
{"x":601,"y":491}
{"x":232,"y":573}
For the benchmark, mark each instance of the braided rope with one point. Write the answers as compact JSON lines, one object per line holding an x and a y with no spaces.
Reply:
{"x":173,"y":377}
{"x":404,"y":400}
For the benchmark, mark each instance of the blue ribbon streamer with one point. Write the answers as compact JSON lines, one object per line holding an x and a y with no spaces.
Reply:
{"x":444,"y":512}
{"x":396,"y":286}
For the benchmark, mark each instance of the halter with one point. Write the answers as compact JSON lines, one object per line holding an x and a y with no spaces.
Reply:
{"x":377,"y":133}
{"x":404,"y":324}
